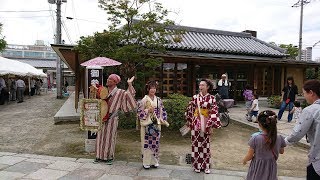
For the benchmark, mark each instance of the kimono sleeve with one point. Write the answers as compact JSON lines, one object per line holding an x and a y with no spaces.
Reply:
{"x":142,"y":114}
{"x":190,"y":111}
{"x":128,"y":101}
{"x":163,"y":111}
{"x":214,"y":120}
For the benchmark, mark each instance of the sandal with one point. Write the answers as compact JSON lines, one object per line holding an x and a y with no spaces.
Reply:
{"x":197,"y":170}
{"x":97,"y":160}
{"x":146,"y":166}
{"x":207,"y":171}
{"x":109,"y":161}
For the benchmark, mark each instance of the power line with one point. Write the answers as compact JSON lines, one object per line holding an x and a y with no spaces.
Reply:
{"x":52,"y":20}
{"x":74,"y":14}
{"x":315,"y":44}
{"x":26,"y":17}
{"x":25,"y":11}
{"x":67,"y":32}
{"x":71,"y":18}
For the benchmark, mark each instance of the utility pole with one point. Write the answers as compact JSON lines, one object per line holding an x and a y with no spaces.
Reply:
{"x":59,"y":65}
{"x":297,"y":4}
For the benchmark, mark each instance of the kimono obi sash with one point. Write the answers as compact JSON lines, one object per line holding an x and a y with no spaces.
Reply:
{"x":204,"y":112}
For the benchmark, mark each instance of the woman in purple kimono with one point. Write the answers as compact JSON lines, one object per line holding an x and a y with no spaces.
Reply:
{"x":152,"y":115}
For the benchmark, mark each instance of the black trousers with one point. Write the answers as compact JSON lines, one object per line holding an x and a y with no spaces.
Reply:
{"x":311,"y":173}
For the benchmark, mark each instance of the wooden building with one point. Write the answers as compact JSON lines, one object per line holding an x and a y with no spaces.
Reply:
{"x":206,"y":53}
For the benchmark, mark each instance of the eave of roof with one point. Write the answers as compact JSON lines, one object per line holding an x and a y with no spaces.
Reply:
{"x":231,"y":57}
{"x":217,"y":41}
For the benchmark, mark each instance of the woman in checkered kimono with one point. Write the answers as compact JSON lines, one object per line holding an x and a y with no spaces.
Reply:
{"x":202,"y":116}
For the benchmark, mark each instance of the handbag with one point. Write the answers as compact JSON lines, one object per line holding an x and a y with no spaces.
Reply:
{"x":184,"y":130}
{"x":287,"y":101}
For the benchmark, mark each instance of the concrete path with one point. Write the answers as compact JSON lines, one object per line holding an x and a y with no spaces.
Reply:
{"x":68,"y":112}
{"x":31,"y":166}
{"x":237,"y":114}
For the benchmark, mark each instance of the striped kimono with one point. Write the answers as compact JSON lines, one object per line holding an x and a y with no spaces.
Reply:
{"x":151,"y":130}
{"x":118,"y":100}
{"x":200,"y":136}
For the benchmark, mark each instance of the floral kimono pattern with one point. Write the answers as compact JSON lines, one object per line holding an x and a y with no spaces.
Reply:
{"x":151,"y":128}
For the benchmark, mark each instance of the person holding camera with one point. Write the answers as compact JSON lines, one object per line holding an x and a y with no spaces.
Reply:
{"x":289,"y":93}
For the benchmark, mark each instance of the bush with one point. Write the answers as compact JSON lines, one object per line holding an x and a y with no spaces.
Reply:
{"x":274,"y":101}
{"x":127,"y":120}
{"x":175,"y":106}
{"x":304,"y":104}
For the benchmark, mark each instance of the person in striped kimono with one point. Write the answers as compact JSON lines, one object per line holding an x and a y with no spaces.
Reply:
{"x":117,"y":100}
{"x":202,"y":116}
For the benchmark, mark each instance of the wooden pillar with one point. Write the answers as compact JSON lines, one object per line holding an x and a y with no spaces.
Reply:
{"x":77,"y":84}
{"x":161,"y":80}
{"x":263,"y":80}
{"x":194,"y":78}
{"x":190,"y":78}
{"x":273,"y":79}
{"x":235,"y":82}
{"x":175,"y":78}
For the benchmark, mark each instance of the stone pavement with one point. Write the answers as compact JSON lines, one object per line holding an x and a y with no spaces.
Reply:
{"x":31,"y":166}
{"x":238,"y":112}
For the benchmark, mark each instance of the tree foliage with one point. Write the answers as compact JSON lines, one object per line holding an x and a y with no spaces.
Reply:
{"x":138,"y":28}
{"x":291,"y":50}
{"x":3,"y":43}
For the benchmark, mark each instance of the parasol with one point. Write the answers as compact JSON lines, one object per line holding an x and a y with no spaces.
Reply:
{"x":101,"y":61}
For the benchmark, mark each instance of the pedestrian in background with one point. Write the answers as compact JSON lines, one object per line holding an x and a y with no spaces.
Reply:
{"x":248,"y":97}
{"x":254,"y":110}
{"x":223,"y":87}
{"x":20,"y":89}
{"x":289,"y":93}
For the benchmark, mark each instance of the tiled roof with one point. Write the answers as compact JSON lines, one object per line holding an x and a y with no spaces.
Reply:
{"x":225,"y":42}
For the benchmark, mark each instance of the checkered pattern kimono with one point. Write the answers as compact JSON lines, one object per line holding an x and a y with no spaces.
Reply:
{"x":150,"y":134}
{"x":201,"y":140}
{"x":118,"y":100}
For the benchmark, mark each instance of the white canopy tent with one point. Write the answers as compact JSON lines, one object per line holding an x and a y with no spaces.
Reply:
{"x":13,"y":67}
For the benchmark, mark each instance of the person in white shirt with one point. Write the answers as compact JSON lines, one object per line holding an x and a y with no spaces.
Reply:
{"x":20,"y":89}
{"x":254,"y":109}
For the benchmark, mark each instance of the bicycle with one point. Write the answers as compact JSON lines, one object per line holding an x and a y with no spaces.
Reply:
{"x":223,"y":112}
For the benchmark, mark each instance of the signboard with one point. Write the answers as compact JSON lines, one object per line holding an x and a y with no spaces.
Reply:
{"x":93,"y":75}
{"x":90,"y":114}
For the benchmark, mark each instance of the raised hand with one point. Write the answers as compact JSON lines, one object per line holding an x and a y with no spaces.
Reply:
{"x":130,"y":80}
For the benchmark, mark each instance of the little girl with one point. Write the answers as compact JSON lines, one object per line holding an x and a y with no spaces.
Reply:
{"x":248,"y":97}
{"x":254,"y":109}
{"x":264,"y":149}
{"x":296,"y":110}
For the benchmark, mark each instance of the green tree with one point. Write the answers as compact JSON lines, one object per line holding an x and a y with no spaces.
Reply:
{"x":137,"y":29}
{"x":291,"y":50}
{"x":3,"y":43}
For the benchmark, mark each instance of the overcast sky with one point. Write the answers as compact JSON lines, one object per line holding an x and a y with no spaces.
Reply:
{"x":274,"y":20}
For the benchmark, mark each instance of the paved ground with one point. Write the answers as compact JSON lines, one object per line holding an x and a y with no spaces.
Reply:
{"x":31,"y":166}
